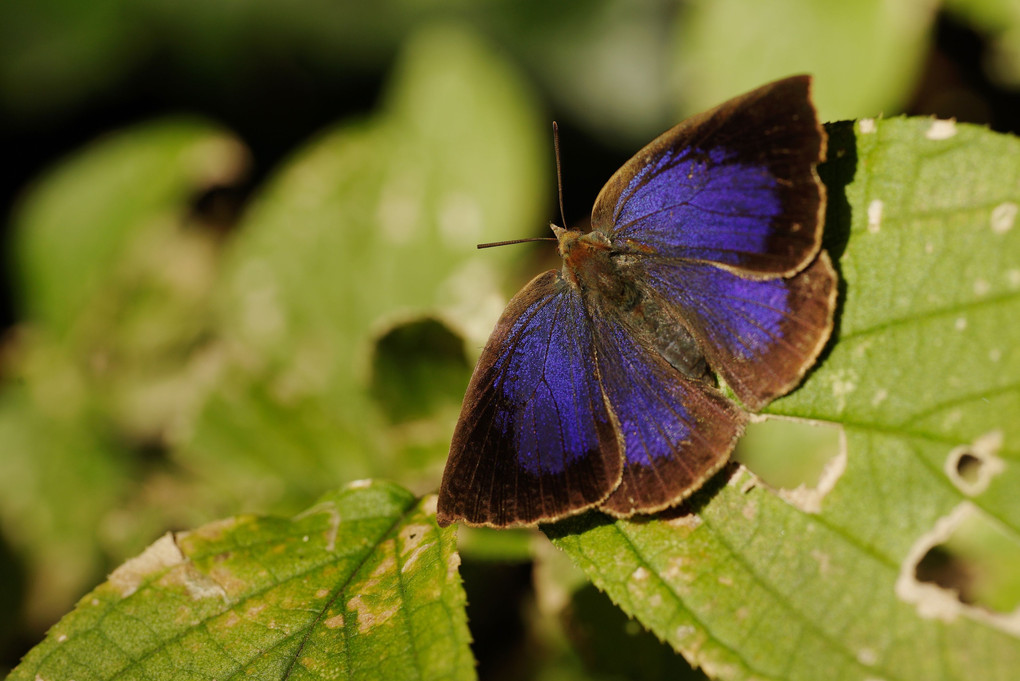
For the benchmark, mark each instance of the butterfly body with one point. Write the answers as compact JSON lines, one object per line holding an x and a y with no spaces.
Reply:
{"x":598,"y":385}
{"x":609,"y":281}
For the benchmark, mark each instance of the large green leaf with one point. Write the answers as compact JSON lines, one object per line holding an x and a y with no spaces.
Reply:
{"x":58,"y":482}
{"x":85,"y":224}
{"x":924,"y":371}
{"x":362,"y":585}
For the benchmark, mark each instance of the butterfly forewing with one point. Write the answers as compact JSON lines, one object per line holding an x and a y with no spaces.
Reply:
{"x":735,"y":186}
{"x":535,"y":440}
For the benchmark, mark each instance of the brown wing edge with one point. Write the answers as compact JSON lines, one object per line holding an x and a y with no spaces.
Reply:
{"x":757,"y":384}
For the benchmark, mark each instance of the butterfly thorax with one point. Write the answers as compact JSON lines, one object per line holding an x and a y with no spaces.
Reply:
{"x":589,"y":267}
{"x":609,"y":286}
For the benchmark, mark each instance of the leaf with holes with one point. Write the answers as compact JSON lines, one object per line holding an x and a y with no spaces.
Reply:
{"x":362,"y":585}
{"x":922,"y":385}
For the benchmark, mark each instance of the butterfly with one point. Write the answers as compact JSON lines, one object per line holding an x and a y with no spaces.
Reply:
{"x":598,"y":385}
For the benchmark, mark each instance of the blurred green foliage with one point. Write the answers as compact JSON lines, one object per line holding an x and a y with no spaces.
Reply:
{"x":163,"y":371}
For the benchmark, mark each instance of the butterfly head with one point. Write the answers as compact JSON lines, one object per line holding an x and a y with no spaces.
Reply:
{"x":582,"y":252}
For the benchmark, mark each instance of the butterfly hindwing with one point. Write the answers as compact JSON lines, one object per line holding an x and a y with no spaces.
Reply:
{"x":760,"y":335}
{"x":535,"y":440}
{"x":677,"y":432}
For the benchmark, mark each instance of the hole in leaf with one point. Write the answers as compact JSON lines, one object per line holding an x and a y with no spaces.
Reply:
{"x":968,"y":467}
{"x":942,"y":568}
{"x":218,"y":208}
{"x":803,"y":459}
{"x":419,"y":368}
{"x":972,"y":467}
{"x":977,"y":562}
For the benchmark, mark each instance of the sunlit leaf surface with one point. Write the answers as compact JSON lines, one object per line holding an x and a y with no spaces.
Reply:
{"x":362,"y":585}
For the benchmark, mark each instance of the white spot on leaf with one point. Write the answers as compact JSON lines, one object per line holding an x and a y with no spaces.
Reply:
{"x":452,"y":563}
{"x":961,"y":323}
{"x":844,"y":383}
{"x":941,"y":129}
{"x":688,"y":521}
{"x":328,"y":508}
{"x":372,"y":611}
{"x":867,"y":126}
{"x":875,"y":216}
{"x":867,"y":657}
{"x":412,"y":543}
{"x":1003,"y":217}
{"x":684,"y":632}
{"x":881,"y":395}
{"x":160,"y":556}
{"x":981,"y":287}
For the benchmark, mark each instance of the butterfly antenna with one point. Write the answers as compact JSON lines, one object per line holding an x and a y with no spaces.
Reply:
{"x":559,"y":174}
{"x":517,"y":241}
{"x":559,"y":192}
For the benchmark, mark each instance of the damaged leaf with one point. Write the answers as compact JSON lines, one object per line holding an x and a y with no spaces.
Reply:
{"x":922,"y":380}
{"x":362,"y":585}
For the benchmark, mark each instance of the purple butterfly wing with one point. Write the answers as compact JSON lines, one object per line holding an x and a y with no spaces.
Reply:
{"x":677,"y":431}
{"x":761,"y":335}
{"x":536,"y":440}
{"x":735,"y":186}
{"x":721,"y":219}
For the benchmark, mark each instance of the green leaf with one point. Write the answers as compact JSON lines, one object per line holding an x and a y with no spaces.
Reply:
{"x":97,"y":214}
{"x":58,"y":482}
{"x":923,"y":373}
{"x":362,"y":585}
{"x":370,"y":228}
{"x":725,"y":47}
{"x":114,"y":279}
